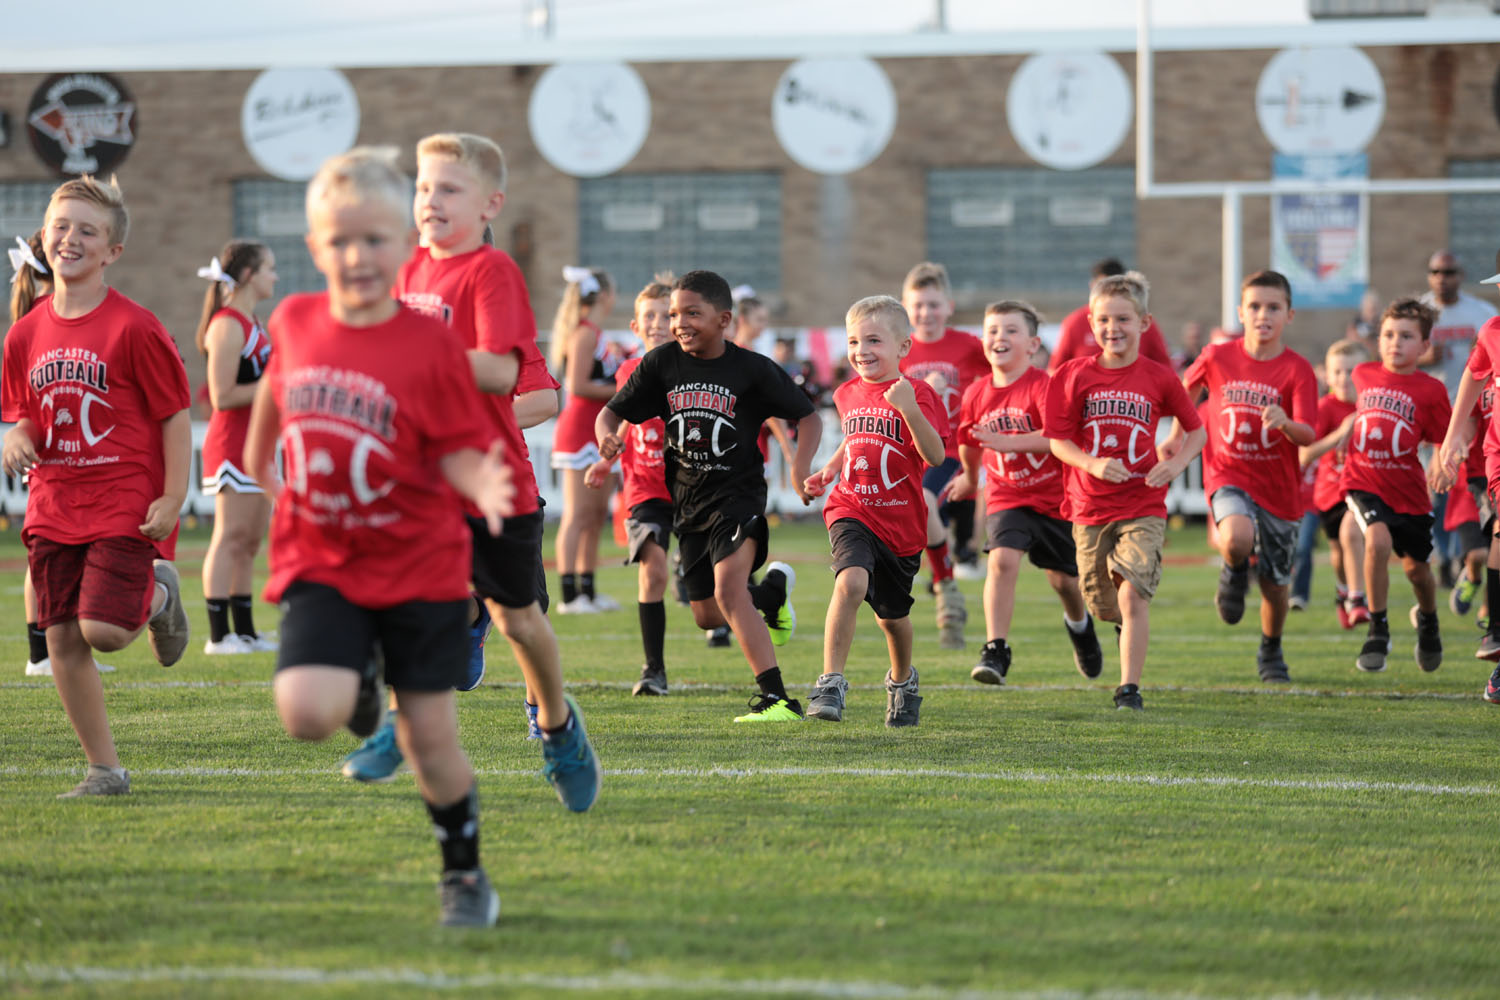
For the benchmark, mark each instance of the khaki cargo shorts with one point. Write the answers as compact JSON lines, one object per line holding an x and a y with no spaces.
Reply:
{"x":1130,"y":550}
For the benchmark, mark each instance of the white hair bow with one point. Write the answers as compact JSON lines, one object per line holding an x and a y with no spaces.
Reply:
{"x":742,"y":292}
{"x":213,"y":272}
{"x":583,"y":278}
{"x":23,"y":257}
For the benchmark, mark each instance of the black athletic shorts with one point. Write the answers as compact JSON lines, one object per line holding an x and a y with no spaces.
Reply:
{"x":508,"y":569}
{"x":425,"y":644}
{"x":1046,"y":540}
{"x":1333,"y":519}
{"x":855,"y":546}
{"x":700,"y":551}
{"x":649,"y":521}
{"x":1411,"y":534}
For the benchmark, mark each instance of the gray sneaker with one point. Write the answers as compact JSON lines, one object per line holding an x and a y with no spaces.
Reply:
{"x":100,"y":781}
{"x":169,"y":626}
{"x":827,"y":701}
{"x":902,"y":703}
{"x":468,"y":899}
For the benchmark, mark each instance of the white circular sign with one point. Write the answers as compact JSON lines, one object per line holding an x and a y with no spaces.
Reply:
{"x":834,"y":116}
{"x":1069,"y":110}
{"x":589,"y":119}
{"x":294,"y":119}
{"x":1312,"y":101}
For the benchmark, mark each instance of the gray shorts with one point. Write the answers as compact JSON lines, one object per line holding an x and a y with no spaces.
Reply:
{"x":1275,"y":539}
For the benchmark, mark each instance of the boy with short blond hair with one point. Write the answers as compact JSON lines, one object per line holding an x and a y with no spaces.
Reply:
{"x":1346,"y":544}
{"x":876,"y":513}
{"x":1000,"y":422}
{"x":99,"y":397}
{"x":1263,"y":397}
{"x":949,"y":360}
{"x":1398,"y":407}
{"x":1101,"y":415}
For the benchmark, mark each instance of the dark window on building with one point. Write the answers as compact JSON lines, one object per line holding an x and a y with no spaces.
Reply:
{"x":1474,"y":222}
{"x":275,"y":213}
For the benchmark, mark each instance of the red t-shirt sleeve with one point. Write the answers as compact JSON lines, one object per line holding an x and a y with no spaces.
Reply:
{"x":1197,"y":372}
{"x":1175,"y":402}
{"x":534,"y":374}
{"x":14,"y":394}
{"x":157,"y":363}
{"x":1059,"y":416}
{"x":931,"y":405}
{"x":1436,"y":415}
{"x":502,"y":310}
{"x":1304,"y":396}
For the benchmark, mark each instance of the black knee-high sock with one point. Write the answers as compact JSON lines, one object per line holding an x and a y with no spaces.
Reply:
{"x":242,"y":613}
{"x":218,"y":617}
{"x":1492,"y":597}
{"x":771,"y":684}
{"x":456,"y":827}
{"x":36,"y":641}
{"x":654,"y":632}
{"x":586,"y":585}
{"x":569,"y":587}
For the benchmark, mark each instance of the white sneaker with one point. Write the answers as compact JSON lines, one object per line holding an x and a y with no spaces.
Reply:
{"x":969,"y":571}
{"x":231,"y":645}
{"x":43,"y":668}
{"x":603,"y":602}
{"x":579,"y":605}
{"x":264,"y":642}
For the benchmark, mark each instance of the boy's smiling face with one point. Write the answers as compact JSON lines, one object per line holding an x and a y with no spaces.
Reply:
{"x":1117,"y":326}
{"x":928,"y":309}
{"x":452,"y":205}
{"x":875,"y":352}
{"x":359,"y":244}
{"x":76,"y":239}
{"x":1008,"y":342}
{"x":698,"y":326}
{"x":651,"y":323}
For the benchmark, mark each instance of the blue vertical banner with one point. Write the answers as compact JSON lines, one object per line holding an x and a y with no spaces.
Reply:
{"x":1321,"y":242}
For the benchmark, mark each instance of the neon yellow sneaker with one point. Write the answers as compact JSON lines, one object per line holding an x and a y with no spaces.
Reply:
{"x":766,"y":708}
{"x":781,"y":621}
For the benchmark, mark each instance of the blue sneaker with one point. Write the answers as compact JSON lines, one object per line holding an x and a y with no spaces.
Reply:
{"x":478,"y":632}
{"x":378,"y":758}
{"x":533,"y":728}
{"x":571,"y":765}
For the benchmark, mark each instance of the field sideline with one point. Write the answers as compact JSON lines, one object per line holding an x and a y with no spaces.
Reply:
{"x":1334,"y":838}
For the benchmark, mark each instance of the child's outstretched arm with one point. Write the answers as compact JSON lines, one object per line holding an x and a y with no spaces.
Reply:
{"x":260,"y":440}
{"x":1455,"y":446}
{"x":817,"y":484}
{"x":964,"y":485}
{"x":1165,"y":471}
{"x":607,"y":433}
{"x":809,"y":434}
{"x":177,"y":456}
{"x":929,"y":442}
{"x":19,"y":452}
{"x":531,"y":408}
{"x":1111,"y":470}
{"x":485,"y":479}
{"x":1309,"y":454}
{"x":1274,"y":418}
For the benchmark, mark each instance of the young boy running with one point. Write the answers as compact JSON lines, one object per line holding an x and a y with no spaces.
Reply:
{"x":1101,"y":415}
{"x":477,"y":290}
{"x":714,"y":397}
{"x":369,"y":549}
{"x":1000,"y":420}
{"x":99,"y":398}
{"x":1398,"y":407}
{"x":1346,"y":544}
{"x":876,"y":514}
{"x":645,"y":494}
{"x":1264,"y":399}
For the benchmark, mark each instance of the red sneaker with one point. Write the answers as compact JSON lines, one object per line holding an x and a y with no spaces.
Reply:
{"x":1359,"y":611}
{"x":1341,"y":609}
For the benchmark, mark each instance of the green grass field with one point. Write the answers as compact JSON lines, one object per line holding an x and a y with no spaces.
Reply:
{"x":1335,"y":838}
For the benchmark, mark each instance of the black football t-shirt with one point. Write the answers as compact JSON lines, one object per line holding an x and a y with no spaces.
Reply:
{"x":713,"y":410}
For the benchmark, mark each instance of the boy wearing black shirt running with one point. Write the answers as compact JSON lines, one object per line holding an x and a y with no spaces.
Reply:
{"x":714,"y":398}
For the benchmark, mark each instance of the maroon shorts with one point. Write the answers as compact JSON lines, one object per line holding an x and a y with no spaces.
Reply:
{"x":108,"y":580}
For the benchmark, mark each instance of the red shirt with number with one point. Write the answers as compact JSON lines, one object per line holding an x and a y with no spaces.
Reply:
{"x":1328,"y":490}
{"x":1246,"y":453}
{"x":881,"y":482}
{"x":643,"y":464}
{"x":97,"y":387}
{"x":1393,"y":415}
{"x":958,"y":358}
{"x":1113,"y":413}
{"x":483,"y":298}
{"x":365,"y":422}
{"x":1013,"y":478}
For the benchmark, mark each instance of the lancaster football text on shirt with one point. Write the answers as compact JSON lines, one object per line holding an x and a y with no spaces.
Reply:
{"x":1394,"y":414}
{"x":1013,"y":478}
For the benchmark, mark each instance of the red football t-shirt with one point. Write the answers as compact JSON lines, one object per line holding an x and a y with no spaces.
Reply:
{"x":1075,"y":339}
{"x":1328,"y":490}
{"x":1246,"y":454}
{"x":97,"y":387}
{"x":881,"y":483}
{"x":643,"y":464}
{"x":482,"y":297}
{"x":1394,"y":414}
{"x":365,"y":422}
{"x":534,"y":373}
{"x":1481,"y":365}
{"x":1015,"y":478}
{"x":1113,"y":413}
{"x":956,"y":356}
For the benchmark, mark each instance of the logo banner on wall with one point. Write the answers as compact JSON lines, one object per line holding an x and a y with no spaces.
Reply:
{"x":589,"y":119}
{"x":82,"y":123}
{"x":1070,"y":110}
{"x":833,"y":116}
{"x":294,"y":119}
{"x":1321,"y":242}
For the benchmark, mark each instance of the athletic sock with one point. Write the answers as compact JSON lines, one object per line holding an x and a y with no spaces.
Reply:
{"x":942,"y":565}
{"x":456,"y":827}
{"x":771,"y":684}
{"x":36,"y":639}
{"x":586,"y":585}
{"x":653,"y":632}
{"x":1270,"y":643}
{"x":1340,"y":591}
{"x":569,"y":587}
{"x":1492,"y":595}
{"x":242,"y":614}
{"x":1078,"y":627}
{"x":552,"y":734}
{"x":218,"y":618}
{"x":1379,"y":622}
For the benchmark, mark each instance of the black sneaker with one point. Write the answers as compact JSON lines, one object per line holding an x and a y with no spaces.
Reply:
{"x":1129,"y":696}
{"x":1492,"y":689}
{"x":652,"y":682}
{"x":1372,"y":654}
{"x":1087,"y":656}
{"x":1230,"y":598}
{"x":1429,"y":649}
{"x":1272,"y":665}
{"x":719,"y":638}
{"x":1489,"y":646}
{"x":994,"y":663}
{"x":369,"y":704}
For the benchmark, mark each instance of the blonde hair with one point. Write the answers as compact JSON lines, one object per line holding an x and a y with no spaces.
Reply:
{"x":928,"y":275}
{"x":882,"y":310}
{"x":28,"y":285}
{"x":479,"y":154}
{"x":1347,"y":349}
{"x":1025,"y":310}
{"x":241,"y":258}
{"x":107,"y":196}
{"x":659,"y":287}
{"x":570,"y":313}
{"x":365,"y":172}
{"x":1131,"y":285}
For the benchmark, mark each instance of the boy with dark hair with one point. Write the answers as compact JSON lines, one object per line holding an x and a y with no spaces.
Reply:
{"x":714,"y":396}
{"x":1399,"y":407}
{"x":1263,"y":398}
